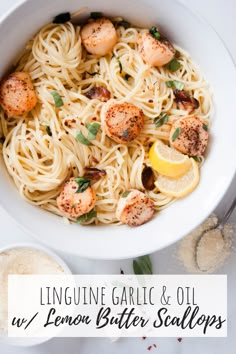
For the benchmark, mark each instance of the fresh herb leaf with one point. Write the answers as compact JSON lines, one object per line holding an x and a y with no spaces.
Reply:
{"x":120,"y":65}
{"x":173,"y":65}
{"x":62,"y":18}
{"x":93,"y":130}
{"x":197,"y":158}
{"x":170,"y":83}
{"x":83,"y":184}
{"x":176,"y":134}
{"x":87,"y":216}
{"x":126,"y":77}
{"x":57,"y":99}
{"x":96,"y":15}
{"x":154,"y":32}
{"x":124,"y":24}
{"x":175,"y":84}
{"x":125,"y":194}
{"x":178,"y":85}
{"x":48,"y":130}
{"x":205,"y":127}
{"x":142,"y":265}
{"x":93,"y":74}
{"x":162,"y":119}
{"x":125,"y":133}
{"x":81,"y":138}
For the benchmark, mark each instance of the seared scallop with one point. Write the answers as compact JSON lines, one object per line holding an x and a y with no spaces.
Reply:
{"x":123,"y":121}
{"x":74,"y":203}
{"x":134,"y":208}
{"x":155,"y":52}
{"x":189,"y":135}
{"x":99,"y":36}
{"x":17,"y":94}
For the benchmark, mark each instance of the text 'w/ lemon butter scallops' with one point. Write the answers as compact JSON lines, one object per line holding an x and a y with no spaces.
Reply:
{"x":104,"y":122}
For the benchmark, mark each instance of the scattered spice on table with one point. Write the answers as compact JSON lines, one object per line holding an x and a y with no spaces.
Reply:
{"x":208,"y":253}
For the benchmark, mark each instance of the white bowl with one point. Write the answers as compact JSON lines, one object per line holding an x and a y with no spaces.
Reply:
{"x":29,"y":342}
{"x":193,"y":34}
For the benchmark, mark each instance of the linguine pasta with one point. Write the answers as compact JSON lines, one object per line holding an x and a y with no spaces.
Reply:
{"x":39,"y":162}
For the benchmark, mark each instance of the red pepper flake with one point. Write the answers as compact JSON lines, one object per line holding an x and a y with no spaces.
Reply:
{"x":149,"y":348}
{"x":94,"y":159}
{"x":154,"y":345}
{"x":179,"y":339}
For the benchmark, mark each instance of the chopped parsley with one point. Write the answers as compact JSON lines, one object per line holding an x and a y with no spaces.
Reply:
{"x":197,"y":158}
{"x":81,"y":138}
{"x":83,"y":184}
{"x":86,"y":217}
{"x":176,"y":134}
{"x":205,"y":127}
{"x":175,"y":84}
{"x":161,"y":119}
{"x":93,"y":130}
{"x":154,"y":32}
{"x":173,"y":65}
{"x":57,"y":99}
{"x":125,"y":194}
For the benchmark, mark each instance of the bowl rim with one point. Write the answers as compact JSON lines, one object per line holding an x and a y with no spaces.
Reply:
{"x":37,"y":247}
{"x":151,"y":249}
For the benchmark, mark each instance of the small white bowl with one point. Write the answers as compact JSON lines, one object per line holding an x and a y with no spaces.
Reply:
{"x":28,"y":342}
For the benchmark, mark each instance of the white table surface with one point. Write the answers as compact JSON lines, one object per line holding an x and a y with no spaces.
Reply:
{"x":221,"y":14}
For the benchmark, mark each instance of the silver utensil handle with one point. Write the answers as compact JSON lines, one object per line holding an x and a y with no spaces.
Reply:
{"x":229,"y":212}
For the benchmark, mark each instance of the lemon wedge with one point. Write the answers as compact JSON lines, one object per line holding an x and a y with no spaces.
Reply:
{"x":179,"y":187}
{"x":168,"y":161}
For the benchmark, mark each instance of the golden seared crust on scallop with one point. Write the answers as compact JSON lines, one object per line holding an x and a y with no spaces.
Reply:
{"x":155,"y":52}
{"x":135,"y":209}
{"x":99,"y":36}
{"x":192,"y":138}
{"x":17,"y":94}
{"x":123,"y":121}
{"x":75,"y":204}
